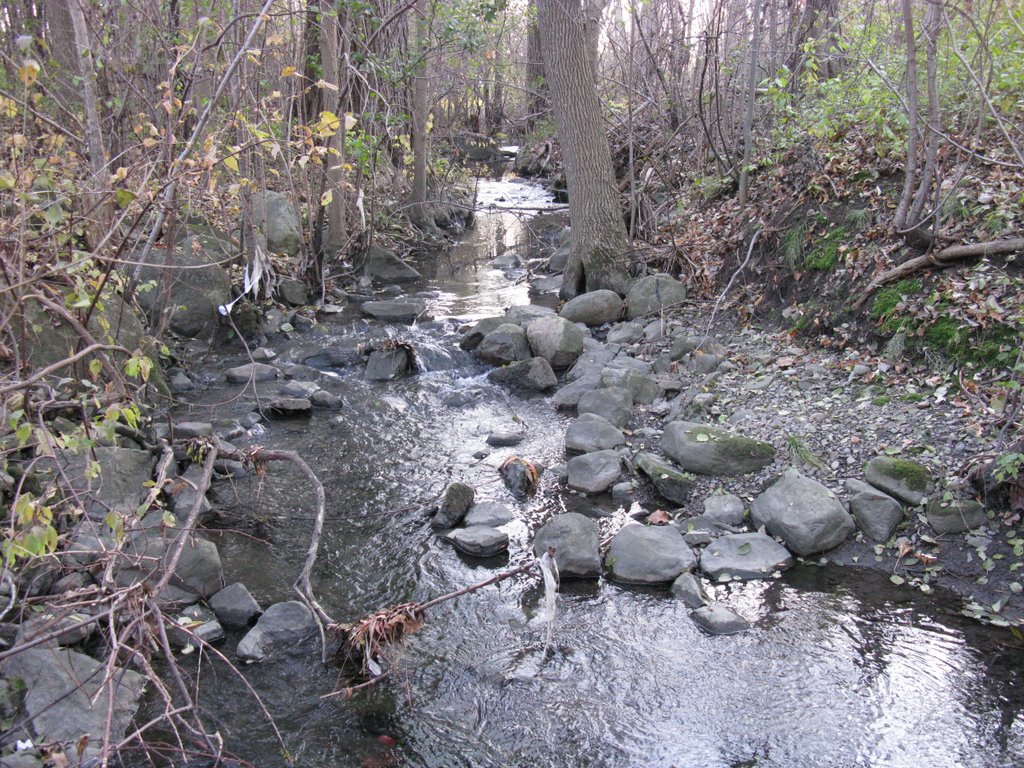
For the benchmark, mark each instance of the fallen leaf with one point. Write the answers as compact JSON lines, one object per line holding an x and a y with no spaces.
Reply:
{"x":659,"y":517}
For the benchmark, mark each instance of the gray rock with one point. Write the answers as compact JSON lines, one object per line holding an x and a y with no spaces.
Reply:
{"x":472,"y":338}
{"x":67,"y":694}
{"x":700,"y":529}
{"x":724,"y":507}
{"x":688,"y":588}
{"x":275,"y":218}
{"x":489,"y":513}
{"x":670,"y":482}
{"x":394,"y":311}
{"x":713,"y":451}
{"x":235,"y":606}
{"x":558,"y":259}
{"x":38,"y":624}
{"x":614,"y":403}
{"x":506,"y":437}
{"x":382,"y":266}
{"x":293,"y":292}
{"x":591,"y":432}
{"x":905,"y":480}
{"x":622,"y":494}
{"x":195,"y":626}
{"x":242,"y":374}
{"x":877,"y":513}
{"x":184,"y":490}
{"x":702,"y":362}
{"x":576,"y":540}
{"x":334,"y":357}
{"x":282,"y":627}
{"x":324,"y":399}
{"x":652,"y":294}
{"x":716,"y":619}
{"x":199,"y":568}
{"x":556,"y":340}
{"x":641,"y":554}
{"x":505,"y":344}
{"x":533,"y":375}
{"x":299,"y":388}
{"x":289,"y":406}
{"x":568,"y":397}
{"x":596,"y":356}
{"x":456,"y":502}
{"x":388,"y":364}
{"x":744,"y":556}
{"x":479,"y":540}
{"x":643,"y":386}
{"x":119,"y":485}
{"x":23,"y":759}
{"x":524,"y":314}
{"x":956,"y":516}
{"x":594,"y":472}
{"x":625,"y":333}
{"x":593,"y":308}
{"x":179,"y":382}
{"x":803,"y":513}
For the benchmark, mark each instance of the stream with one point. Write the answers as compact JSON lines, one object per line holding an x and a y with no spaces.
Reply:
{"x":841,"y":668}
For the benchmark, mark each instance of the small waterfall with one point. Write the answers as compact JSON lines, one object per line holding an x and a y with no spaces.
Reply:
{"x":549,"y":570}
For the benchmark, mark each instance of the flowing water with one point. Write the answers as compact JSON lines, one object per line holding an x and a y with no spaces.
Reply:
{"x":840,"y":668}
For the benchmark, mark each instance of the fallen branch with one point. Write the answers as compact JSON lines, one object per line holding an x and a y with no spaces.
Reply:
{"x":940,"y":260}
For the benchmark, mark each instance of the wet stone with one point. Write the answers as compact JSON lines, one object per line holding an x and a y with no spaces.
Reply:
{"x":615,"y":404}
{"x":235,"y":606}
{"x":576,"y":540}
{"x":716,"y":619}
{"x":251,"y":372}
{"x":479,"y":540}
{"x":506,"y":437}
{"x":724,"y":507}
{"x":641,"y":554}
{"x":456,"y":502}
{"x":688,"y":588}
{"x":594,"y":472}
{"x":591,"y":432}
{"x":290,"y":406}
{"x":489,"y":513}
{"x":744,"y":556}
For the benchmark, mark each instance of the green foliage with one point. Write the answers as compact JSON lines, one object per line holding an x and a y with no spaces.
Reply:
{"x":825,"y":254}
{"x":793,"y":245}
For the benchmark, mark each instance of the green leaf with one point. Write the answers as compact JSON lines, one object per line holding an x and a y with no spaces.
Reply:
{"x":896,"y":579}
{"x":744,"y":549}
{"x":95,"y":366}
{"x":123,"y":197}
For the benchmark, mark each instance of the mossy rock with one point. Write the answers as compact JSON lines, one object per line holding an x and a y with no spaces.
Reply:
{"x":903,"y":479}
{"x":711,"y":451}
{"x":956,"y":516}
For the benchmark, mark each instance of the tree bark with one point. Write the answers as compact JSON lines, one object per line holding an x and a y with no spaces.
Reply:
{"x":334,"y":72}
{"x":600,"y":252}
{"x":748,"y":116}
{"x":910,"y":170}
{"x":418,"y":128}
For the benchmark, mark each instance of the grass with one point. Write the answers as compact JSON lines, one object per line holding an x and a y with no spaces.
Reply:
{"x":824,"y":256}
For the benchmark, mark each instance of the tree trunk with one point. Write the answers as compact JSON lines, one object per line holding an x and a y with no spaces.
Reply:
{"x":330,"y":31}
{"x":418,"y":199}
{"x":903,"y":209}
{"x":535,"y":82}
{"x":599,"y":249}
{"x":748,"y":116}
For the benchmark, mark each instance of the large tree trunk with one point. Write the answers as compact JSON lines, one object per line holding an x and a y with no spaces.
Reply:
{"x":600,"y":253}
{"x":535,"y":82}
{"x":418,"y":199}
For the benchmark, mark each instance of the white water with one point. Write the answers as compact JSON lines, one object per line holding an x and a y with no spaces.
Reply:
{"x":549,"y":569}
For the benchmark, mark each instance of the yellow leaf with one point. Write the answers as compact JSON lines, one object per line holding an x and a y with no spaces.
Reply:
{"x":8,"y":107}
{"x":149,"y":143}
{"x":350,"y":121}
{"x":7,"y":181}
{"x":231,"y":162}
{"x":287,"y":71}
{"x":326,"y":198}
{"x":28,"y":72}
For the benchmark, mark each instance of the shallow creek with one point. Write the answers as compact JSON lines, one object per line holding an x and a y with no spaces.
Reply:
{"x":839,"y":669}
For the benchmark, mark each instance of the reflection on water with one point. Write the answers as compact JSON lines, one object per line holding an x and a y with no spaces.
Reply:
{"x":840,"y":668}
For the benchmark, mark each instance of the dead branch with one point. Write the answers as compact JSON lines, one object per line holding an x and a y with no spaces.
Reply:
{"x":940,"y":260}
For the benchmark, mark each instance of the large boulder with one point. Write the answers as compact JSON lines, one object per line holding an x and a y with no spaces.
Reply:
{"x":533,"y":375}
{"x":471,"y":339}
{"x":591,"y":432}
{"x":614,"y":403}
{"x":713,"y":451}
{"x":275,"y":219}
{"x":744,"y":556}
{"x":670,"y":482}
{"x":479,"y":540}
{"x":576,"y":540}
{"x":568,"y":397}
{"x":903,"y":479}
{"x":641,"y":554}
{"x":455,"y":503}
{"x":388,"y":364}
{"x":382,"y":266}
{"x":876,"y":513}
{"x":956,"y":516}
{"x":556,"y":340}
{"x":651,"y":294}
{"x":593,"y":308}
{"x":279,"y":630}
{"x":594,"y":472}
{"x":104,"y":479}
{"x":803,"y":513}
{"x":716,"y":619}
{"x":505,"y":344}
{"x":242,"y":374}
{"x":643,"y":386}
{"x":394,"y":311}
{"x":235,"y":606}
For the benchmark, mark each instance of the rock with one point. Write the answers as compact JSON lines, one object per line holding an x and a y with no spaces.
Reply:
{"x":652,"y":294}
{"x":334,"y":357}
{"x":196,"y":626}
{"x":625,"y":333}
{"x":324,"y":399}
{"x":744,"y":556}
{"x":38,"y":624}
{"x":235,"y":606}
{"x":533,"y":375}
{"x":713,"y":451}
{"x":724,"y":507}
{"x":556,"y":340}
{"x":700,"y":529}
{"x":956,"y":516}
{"x":395,"y":311}
{"x":293,"y":292}
{"x":382,"y":266}
{"x":644,"y":387}
{"x":702,"y":362}
{"x":506,"y":437}
{"x":295,"y":388}
{"x":576,"y":540}
{"x":184,"y":490}
{"x":524,"y":314}
{"x":568,"y":397}
{"x":622,"y":494}
{"x":489,"y":513}
{"x":596,"y":356}
{"x":279,"y":629}
{"x":458,"y":498}
{"x":593,"y":308}
{"x":479,"y":540}
{"x":803,"y":513}
{"x":591,"y":432}
{"x":68,"y":694}
{"x":179,"y":382}
{"x":243,"y":374}
{"x":275,"y":218}
{"x":641,"y":554}
{"x":472,"y":338}
{"x":505,"y":344}
{"x":688,"y":588}
{"x":716,"y":619}
{"x":199,"y":568}
{"x":876,"y":513}
{"x":558,"y":259}
{"x":520,"y":476}
{"x":388,"y":364}
{"x":289,"y":406}
{"x":120,"y":484}
{"x":594,"y":472}
{"x":614,"y":403}
{"x":670,"y":482}
{"x":905,"y":480}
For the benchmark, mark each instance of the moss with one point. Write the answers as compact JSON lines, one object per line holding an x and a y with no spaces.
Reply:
{"x":887,"y":299}
{"x":915,"y":476}
{"x":912,"y":397}
{"x":881,"y":400}
{"x":993,"y":346}
{"x":825,"y":254}
{"x":735,"y":445}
